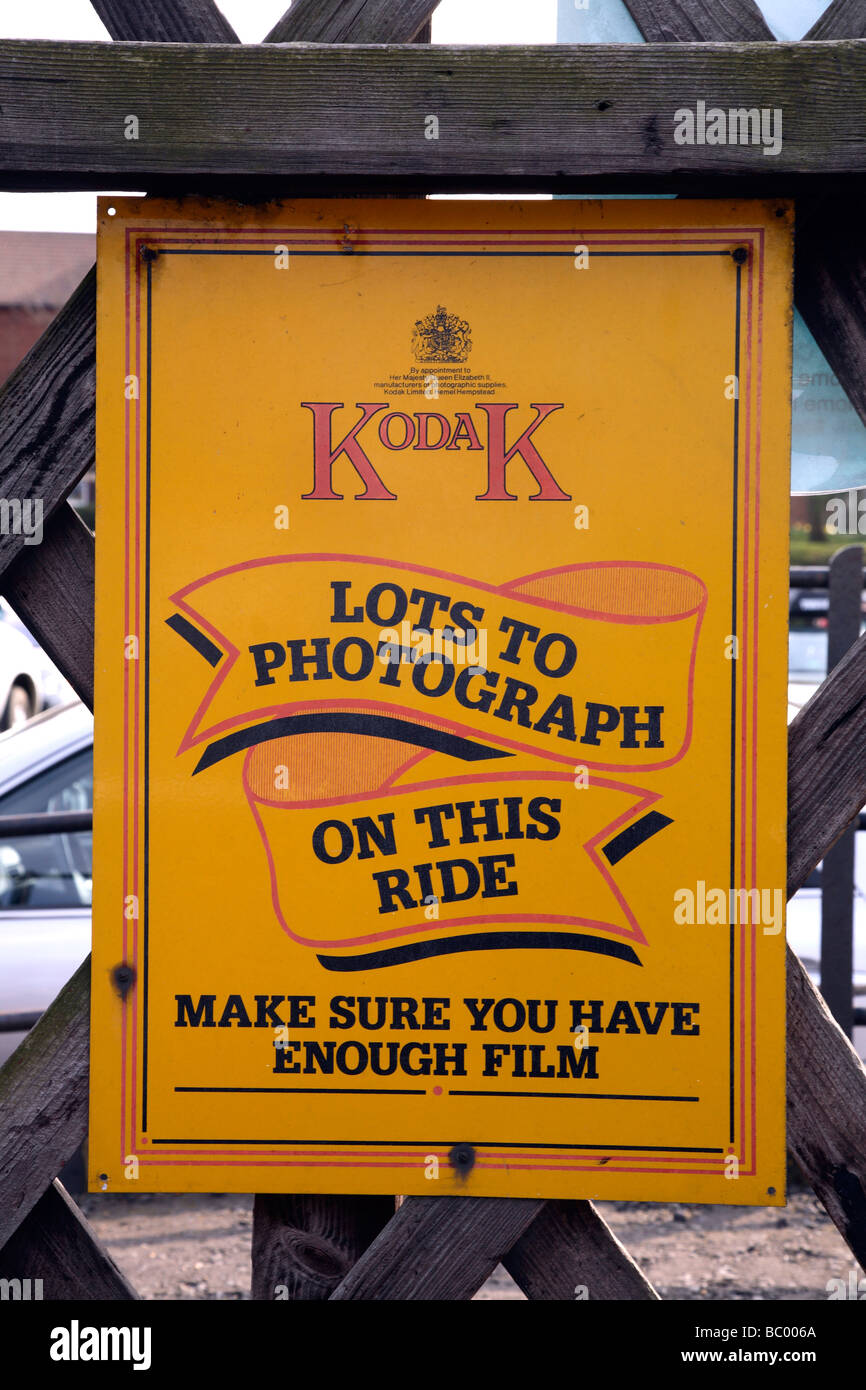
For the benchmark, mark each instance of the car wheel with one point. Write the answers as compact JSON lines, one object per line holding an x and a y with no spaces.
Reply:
{"x":19,"y":707}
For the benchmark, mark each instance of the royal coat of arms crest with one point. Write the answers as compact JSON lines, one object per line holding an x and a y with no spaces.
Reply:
{"x":441,"y":337}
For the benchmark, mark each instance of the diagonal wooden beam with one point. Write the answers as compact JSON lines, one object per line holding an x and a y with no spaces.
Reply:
{"x":43,"y":1101}
{"x":165,"y":21}
{"x":826,"y":1107}
{"x":51,"y":589}
{"x":306,"y":1245}
{"x":569,"y":1247}
{"x":439,"y":1248}
{"x":352,"y":21}
{"x":692,"y":21}
{"x":830,"y":285}
{"x":826,"y":765}
{"x":829,"y":260}
{"x":47,"y":414}
{"x":843,"y":19}
{"x":47,"y":406}
{"x":56,"y":1244}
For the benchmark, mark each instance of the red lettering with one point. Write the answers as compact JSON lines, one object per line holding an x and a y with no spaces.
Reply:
{"x":408,"y":430}
{"x":424,"y":417}
{"x":465,"y":430}
{"x":498,"y":457}
{"x":325,"y":455}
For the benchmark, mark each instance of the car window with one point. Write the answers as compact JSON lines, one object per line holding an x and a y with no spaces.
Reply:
{"x":49,"y":871}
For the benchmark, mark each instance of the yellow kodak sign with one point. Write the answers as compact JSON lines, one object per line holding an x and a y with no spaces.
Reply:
{"x":440,"y":696}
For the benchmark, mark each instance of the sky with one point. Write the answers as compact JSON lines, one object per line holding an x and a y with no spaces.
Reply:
{"x":455,"y":21}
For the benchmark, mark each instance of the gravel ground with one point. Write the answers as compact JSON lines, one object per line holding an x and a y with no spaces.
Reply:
{"x":194,"y":1246}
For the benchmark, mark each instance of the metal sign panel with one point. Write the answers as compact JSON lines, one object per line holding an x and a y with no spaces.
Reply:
{"x":440,"y":763}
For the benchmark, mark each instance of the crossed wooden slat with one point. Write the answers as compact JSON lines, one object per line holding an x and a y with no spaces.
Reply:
{"x":830,"y":261}
{"x":359,"y":1247}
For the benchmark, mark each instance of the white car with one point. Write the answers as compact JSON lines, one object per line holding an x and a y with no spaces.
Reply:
{"x":20,"y":675}
{"x":45,"y":879}
{"x":29,"y":680}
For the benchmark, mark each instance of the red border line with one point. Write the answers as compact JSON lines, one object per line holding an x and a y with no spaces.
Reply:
{"x":678,"y":236}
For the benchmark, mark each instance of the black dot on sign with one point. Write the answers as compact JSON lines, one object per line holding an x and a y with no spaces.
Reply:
{"x":462,"y":1158}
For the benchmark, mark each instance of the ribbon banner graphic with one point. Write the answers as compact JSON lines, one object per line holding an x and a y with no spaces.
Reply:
{"x":586,"y":663}
{"x":484,"y":862}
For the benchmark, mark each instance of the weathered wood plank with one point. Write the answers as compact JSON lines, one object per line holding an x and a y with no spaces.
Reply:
{"x":51,"y":589}
{"x":47,"y":414}
{"x":352,"y":21}
{"x":688,"y":21}
{"x":567,"y":1246}
{"x":56,"y":1243}
{"x":826,"y":1079}
{"x":165,"y":21}
{"x":269,"y":118}
{"x":837,"y":872}
{"x":43,"y":1101}
{"x":305,"y":1245}
{"x":830,"y":286}
{"x":826,"y":765}
{"x":438,"y":1248}
{"x":46,"y":407}
{"x":843,"y":19}
{"x":829,"y":263}
{"x":826,"y":1108}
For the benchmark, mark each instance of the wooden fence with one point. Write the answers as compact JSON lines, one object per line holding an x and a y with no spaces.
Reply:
{"x":310,"y":119}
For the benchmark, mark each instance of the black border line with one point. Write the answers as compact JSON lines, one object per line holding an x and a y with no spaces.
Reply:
{"x":306,"y":1090}
{"x":418,"y":1091}
{"x":478,"y":251}
{"x":356,"y":251}
{"x":735,"y":666}
{"x":446,"y":1143}
{"x":145,"y":904}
